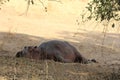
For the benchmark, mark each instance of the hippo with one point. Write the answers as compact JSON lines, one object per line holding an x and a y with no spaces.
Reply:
{"x":60,"y":51}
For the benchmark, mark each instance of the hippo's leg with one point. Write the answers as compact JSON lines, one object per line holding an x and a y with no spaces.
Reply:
{"x":92,"y":61}
{"x":59,"y":58}
{"x":81,"y":59}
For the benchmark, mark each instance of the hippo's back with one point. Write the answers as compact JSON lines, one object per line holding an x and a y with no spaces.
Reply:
{"x":54,"y":46}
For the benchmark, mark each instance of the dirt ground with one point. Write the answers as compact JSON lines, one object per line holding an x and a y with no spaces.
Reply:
{"x":62,"y":21}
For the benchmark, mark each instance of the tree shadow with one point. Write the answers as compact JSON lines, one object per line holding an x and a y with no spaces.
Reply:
{"x":10,"y":43}
{"x":90,"y":45}
{"x":92,"y":37}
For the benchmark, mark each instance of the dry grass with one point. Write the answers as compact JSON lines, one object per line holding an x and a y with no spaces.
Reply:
{"x":34,"y":70}
{"x":17,"y":31}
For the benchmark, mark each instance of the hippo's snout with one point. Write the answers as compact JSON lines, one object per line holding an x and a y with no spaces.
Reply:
{"x":19,"y":54}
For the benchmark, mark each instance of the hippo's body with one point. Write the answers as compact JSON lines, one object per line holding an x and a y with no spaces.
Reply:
{"x":60,"y":51}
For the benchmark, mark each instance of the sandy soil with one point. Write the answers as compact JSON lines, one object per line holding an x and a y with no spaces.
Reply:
{"x":59,"y":22}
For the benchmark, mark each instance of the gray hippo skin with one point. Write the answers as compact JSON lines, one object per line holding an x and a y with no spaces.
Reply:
{"x":56,"y":50}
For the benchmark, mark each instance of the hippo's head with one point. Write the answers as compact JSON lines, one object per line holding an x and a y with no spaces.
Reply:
{"x":29,"y":52}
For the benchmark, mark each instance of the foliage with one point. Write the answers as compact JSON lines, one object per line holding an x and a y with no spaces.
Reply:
{"x":3,"y":1}
{"x":104,"y":9}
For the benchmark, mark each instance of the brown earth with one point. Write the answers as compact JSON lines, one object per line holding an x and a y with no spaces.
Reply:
{"x":61,"y":21}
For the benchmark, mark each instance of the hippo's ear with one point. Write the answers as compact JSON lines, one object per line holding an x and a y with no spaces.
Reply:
{"x":35,"y":47}
{"x":29,"y":47}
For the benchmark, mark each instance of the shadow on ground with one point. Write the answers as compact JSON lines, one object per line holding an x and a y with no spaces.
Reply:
{"x":94,"y":45}
{"x":12,"y":68}
{"x":12,"y":42}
